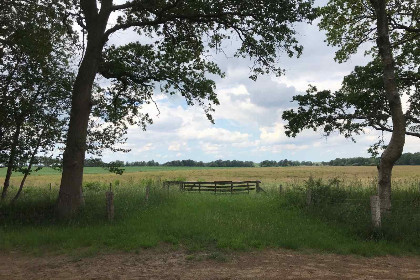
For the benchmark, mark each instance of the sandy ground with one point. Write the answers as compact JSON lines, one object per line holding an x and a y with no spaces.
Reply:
{"x":158,"y":264}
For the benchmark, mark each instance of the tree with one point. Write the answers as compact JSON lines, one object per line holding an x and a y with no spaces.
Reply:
{"x":371,"y":95}
{"x":35,"y":83}
{"x":180,"y":32}
{"x":94,"y":162}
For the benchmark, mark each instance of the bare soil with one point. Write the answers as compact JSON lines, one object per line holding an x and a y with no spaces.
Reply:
{"x":169,"y":264}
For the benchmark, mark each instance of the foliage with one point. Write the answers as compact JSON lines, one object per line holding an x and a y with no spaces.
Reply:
{"x":142,"y":163}
{"x":285,"y":162}
{"x":349,"y":207}
{"x":115,"y":167}
{"x":202,"y":221}
{"x":409,"y":159}
{"x":357,"y":161}
{"x":35,"y":82}
{"x":405,"y":159}
{"x":174,"y":57}
{"x":361,"y":102}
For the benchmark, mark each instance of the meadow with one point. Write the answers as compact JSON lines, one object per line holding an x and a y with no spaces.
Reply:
{"x":338,"y":221}
{"x":358,"y":175}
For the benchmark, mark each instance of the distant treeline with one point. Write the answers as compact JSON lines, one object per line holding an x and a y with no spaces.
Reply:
{"x":216,"y":163}
{"x":188,"y":162}
{"x":285,"y":162}
{"x":406,"y":159}
{"x":357,"y":161}
{"x":409,"y":159}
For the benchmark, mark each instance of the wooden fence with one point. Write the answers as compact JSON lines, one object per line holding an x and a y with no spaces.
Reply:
{"x":218,"y":186}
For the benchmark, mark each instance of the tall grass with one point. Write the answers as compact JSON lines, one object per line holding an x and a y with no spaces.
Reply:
{"x":402,"y":175}
{"x":337,"y":221}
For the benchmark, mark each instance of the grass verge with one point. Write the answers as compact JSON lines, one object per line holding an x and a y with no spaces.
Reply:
{"x":338,"y":221}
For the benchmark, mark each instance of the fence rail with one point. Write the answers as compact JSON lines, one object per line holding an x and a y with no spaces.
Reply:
{"x":218,"y":186}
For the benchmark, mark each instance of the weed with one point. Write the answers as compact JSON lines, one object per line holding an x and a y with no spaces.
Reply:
{"x":338,"y":220}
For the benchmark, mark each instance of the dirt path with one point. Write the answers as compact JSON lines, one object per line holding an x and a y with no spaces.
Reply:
{"x":154,"y":264}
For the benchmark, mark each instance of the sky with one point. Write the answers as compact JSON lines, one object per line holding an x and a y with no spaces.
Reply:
{"x":248,"y":123}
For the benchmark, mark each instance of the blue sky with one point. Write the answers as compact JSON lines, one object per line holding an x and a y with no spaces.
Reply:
{"x":248,"y":124}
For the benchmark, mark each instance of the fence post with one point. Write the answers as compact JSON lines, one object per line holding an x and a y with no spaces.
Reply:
{"x":308,"y":197}
{"x":257,"y":185}
{"x":110,"y":204}
{"x":375,"y":209}
{"x":147,"y":193}
{"x":280,"y":189}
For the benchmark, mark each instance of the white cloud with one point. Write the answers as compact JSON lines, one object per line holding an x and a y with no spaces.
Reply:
{"x":248,"y":120}
{"x":147,"y":147}
{"x":174,"y":147}
{"x":218,"y":135}
{"x":282,"y":148}
{"x":211,"y":148}
{"x":178,"y":146}
{"x":272,"y":134}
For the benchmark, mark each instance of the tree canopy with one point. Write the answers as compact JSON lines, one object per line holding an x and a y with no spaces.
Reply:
{"x":171,"y":55}
{"x":35,"y":83}
{"x":371,"y":95}
{"x":361,"y":101}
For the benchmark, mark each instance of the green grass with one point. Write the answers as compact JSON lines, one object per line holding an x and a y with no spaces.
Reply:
{"x":205,"y":221}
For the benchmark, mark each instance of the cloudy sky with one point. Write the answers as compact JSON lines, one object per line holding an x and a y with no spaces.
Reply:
{"x":248,"y":124}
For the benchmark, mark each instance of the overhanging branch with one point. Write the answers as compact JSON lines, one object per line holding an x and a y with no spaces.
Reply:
{"x":381,"y":127}
{"x":197,"y":18}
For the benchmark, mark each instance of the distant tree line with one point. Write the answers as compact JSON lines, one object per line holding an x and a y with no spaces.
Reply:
{"x":142,"y":163}
{"x":406,"y":159}
{"x":357,"y":161}
{"x":216,"y":163}
{"x":409,"y":159}
{"x":97,"y":162}
{"x":285,"y":162}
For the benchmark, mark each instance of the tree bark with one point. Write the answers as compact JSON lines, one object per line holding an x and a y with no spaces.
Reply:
{"x":70,"y":197}
{"x":395,"y":147}
{"x":11,"y":161}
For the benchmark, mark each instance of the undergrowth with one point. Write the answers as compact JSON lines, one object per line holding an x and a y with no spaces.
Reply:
{"x":337,"y":220}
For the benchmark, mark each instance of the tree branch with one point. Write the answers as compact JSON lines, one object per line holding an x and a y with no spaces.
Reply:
{"x":381,"y":127}
{"x":397,"y":25}
{"x":198,"y":18}
{"x":123,"y":6}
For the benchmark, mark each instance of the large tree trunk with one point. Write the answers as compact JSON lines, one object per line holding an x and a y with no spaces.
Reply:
{"x":70,"y":196}
{"x":395,"y":147}
{"x":11,"y":161}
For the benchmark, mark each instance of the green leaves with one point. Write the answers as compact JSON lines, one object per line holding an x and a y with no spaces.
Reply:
{"x":35,"y":81}
{"x":136,"y":70}
{"x":362,"y":102}
{"x":264,"y":27}
{"x":183,"y":32}
{"x":349,"y":24}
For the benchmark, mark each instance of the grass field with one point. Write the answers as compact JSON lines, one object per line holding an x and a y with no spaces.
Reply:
{"x":100,"y":170}
{"x":338,"y":221}
{"x":365,"y":175}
